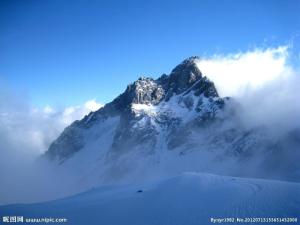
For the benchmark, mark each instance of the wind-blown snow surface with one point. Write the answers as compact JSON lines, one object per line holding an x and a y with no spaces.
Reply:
{"x":190,"y":198}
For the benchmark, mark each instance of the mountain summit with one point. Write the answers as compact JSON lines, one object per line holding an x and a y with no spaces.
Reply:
{"x":184,"y":77}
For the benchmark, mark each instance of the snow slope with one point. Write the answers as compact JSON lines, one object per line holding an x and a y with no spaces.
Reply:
{"x":190,"y":198}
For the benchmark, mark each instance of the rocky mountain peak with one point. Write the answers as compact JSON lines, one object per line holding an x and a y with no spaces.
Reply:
{"x":187,"y":69}
{"x":144,"y":91}
{"x":184,"y":76}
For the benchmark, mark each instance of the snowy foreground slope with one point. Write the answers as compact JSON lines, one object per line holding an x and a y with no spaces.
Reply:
{"x":190,"y":198}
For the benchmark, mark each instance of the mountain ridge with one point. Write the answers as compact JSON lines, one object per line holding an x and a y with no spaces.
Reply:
{"x":183,"y":79}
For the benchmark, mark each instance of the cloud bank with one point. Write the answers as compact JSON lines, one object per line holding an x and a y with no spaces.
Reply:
{"x":64,"y":117}
{"x":263,"y":81}
{"x":238,"y":73}
{"x":25,"y":133}
{"x":30,"y":130}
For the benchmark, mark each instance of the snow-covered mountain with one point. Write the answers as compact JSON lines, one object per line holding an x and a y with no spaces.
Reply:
{"x":173,"y":124}
{"x":145,"y":110}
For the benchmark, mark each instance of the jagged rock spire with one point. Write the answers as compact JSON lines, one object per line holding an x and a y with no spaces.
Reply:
{"x":182,"y":78}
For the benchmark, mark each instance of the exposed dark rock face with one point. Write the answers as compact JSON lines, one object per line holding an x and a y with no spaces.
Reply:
{"x":67,"y":144}
{"x":143,"y":91}
{"x":183,"y":76}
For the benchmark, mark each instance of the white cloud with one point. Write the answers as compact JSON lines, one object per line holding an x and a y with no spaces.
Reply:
{"x":73,"y":113}
{"x":31,"y":130}
{"x":92,"y":105}
{"x":25,"y":133}
{"x":264,"y":83}
{"x":48,"y":110}
{"x":235,"y":74}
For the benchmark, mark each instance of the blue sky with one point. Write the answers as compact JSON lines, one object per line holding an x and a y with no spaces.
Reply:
{"x":62,"y":52}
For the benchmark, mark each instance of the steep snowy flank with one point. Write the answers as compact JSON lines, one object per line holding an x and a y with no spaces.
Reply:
{"x":186,"y":199}
{"x":153,"y":106}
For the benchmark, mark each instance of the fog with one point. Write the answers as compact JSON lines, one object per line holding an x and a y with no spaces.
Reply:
{"x":25,"y":134}
{"x":265,"y":84}
{"x":262,"y":81}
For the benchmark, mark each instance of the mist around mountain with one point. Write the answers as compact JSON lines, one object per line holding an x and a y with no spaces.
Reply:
{"x":174,"y":124}
{"x":172,"y":141}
